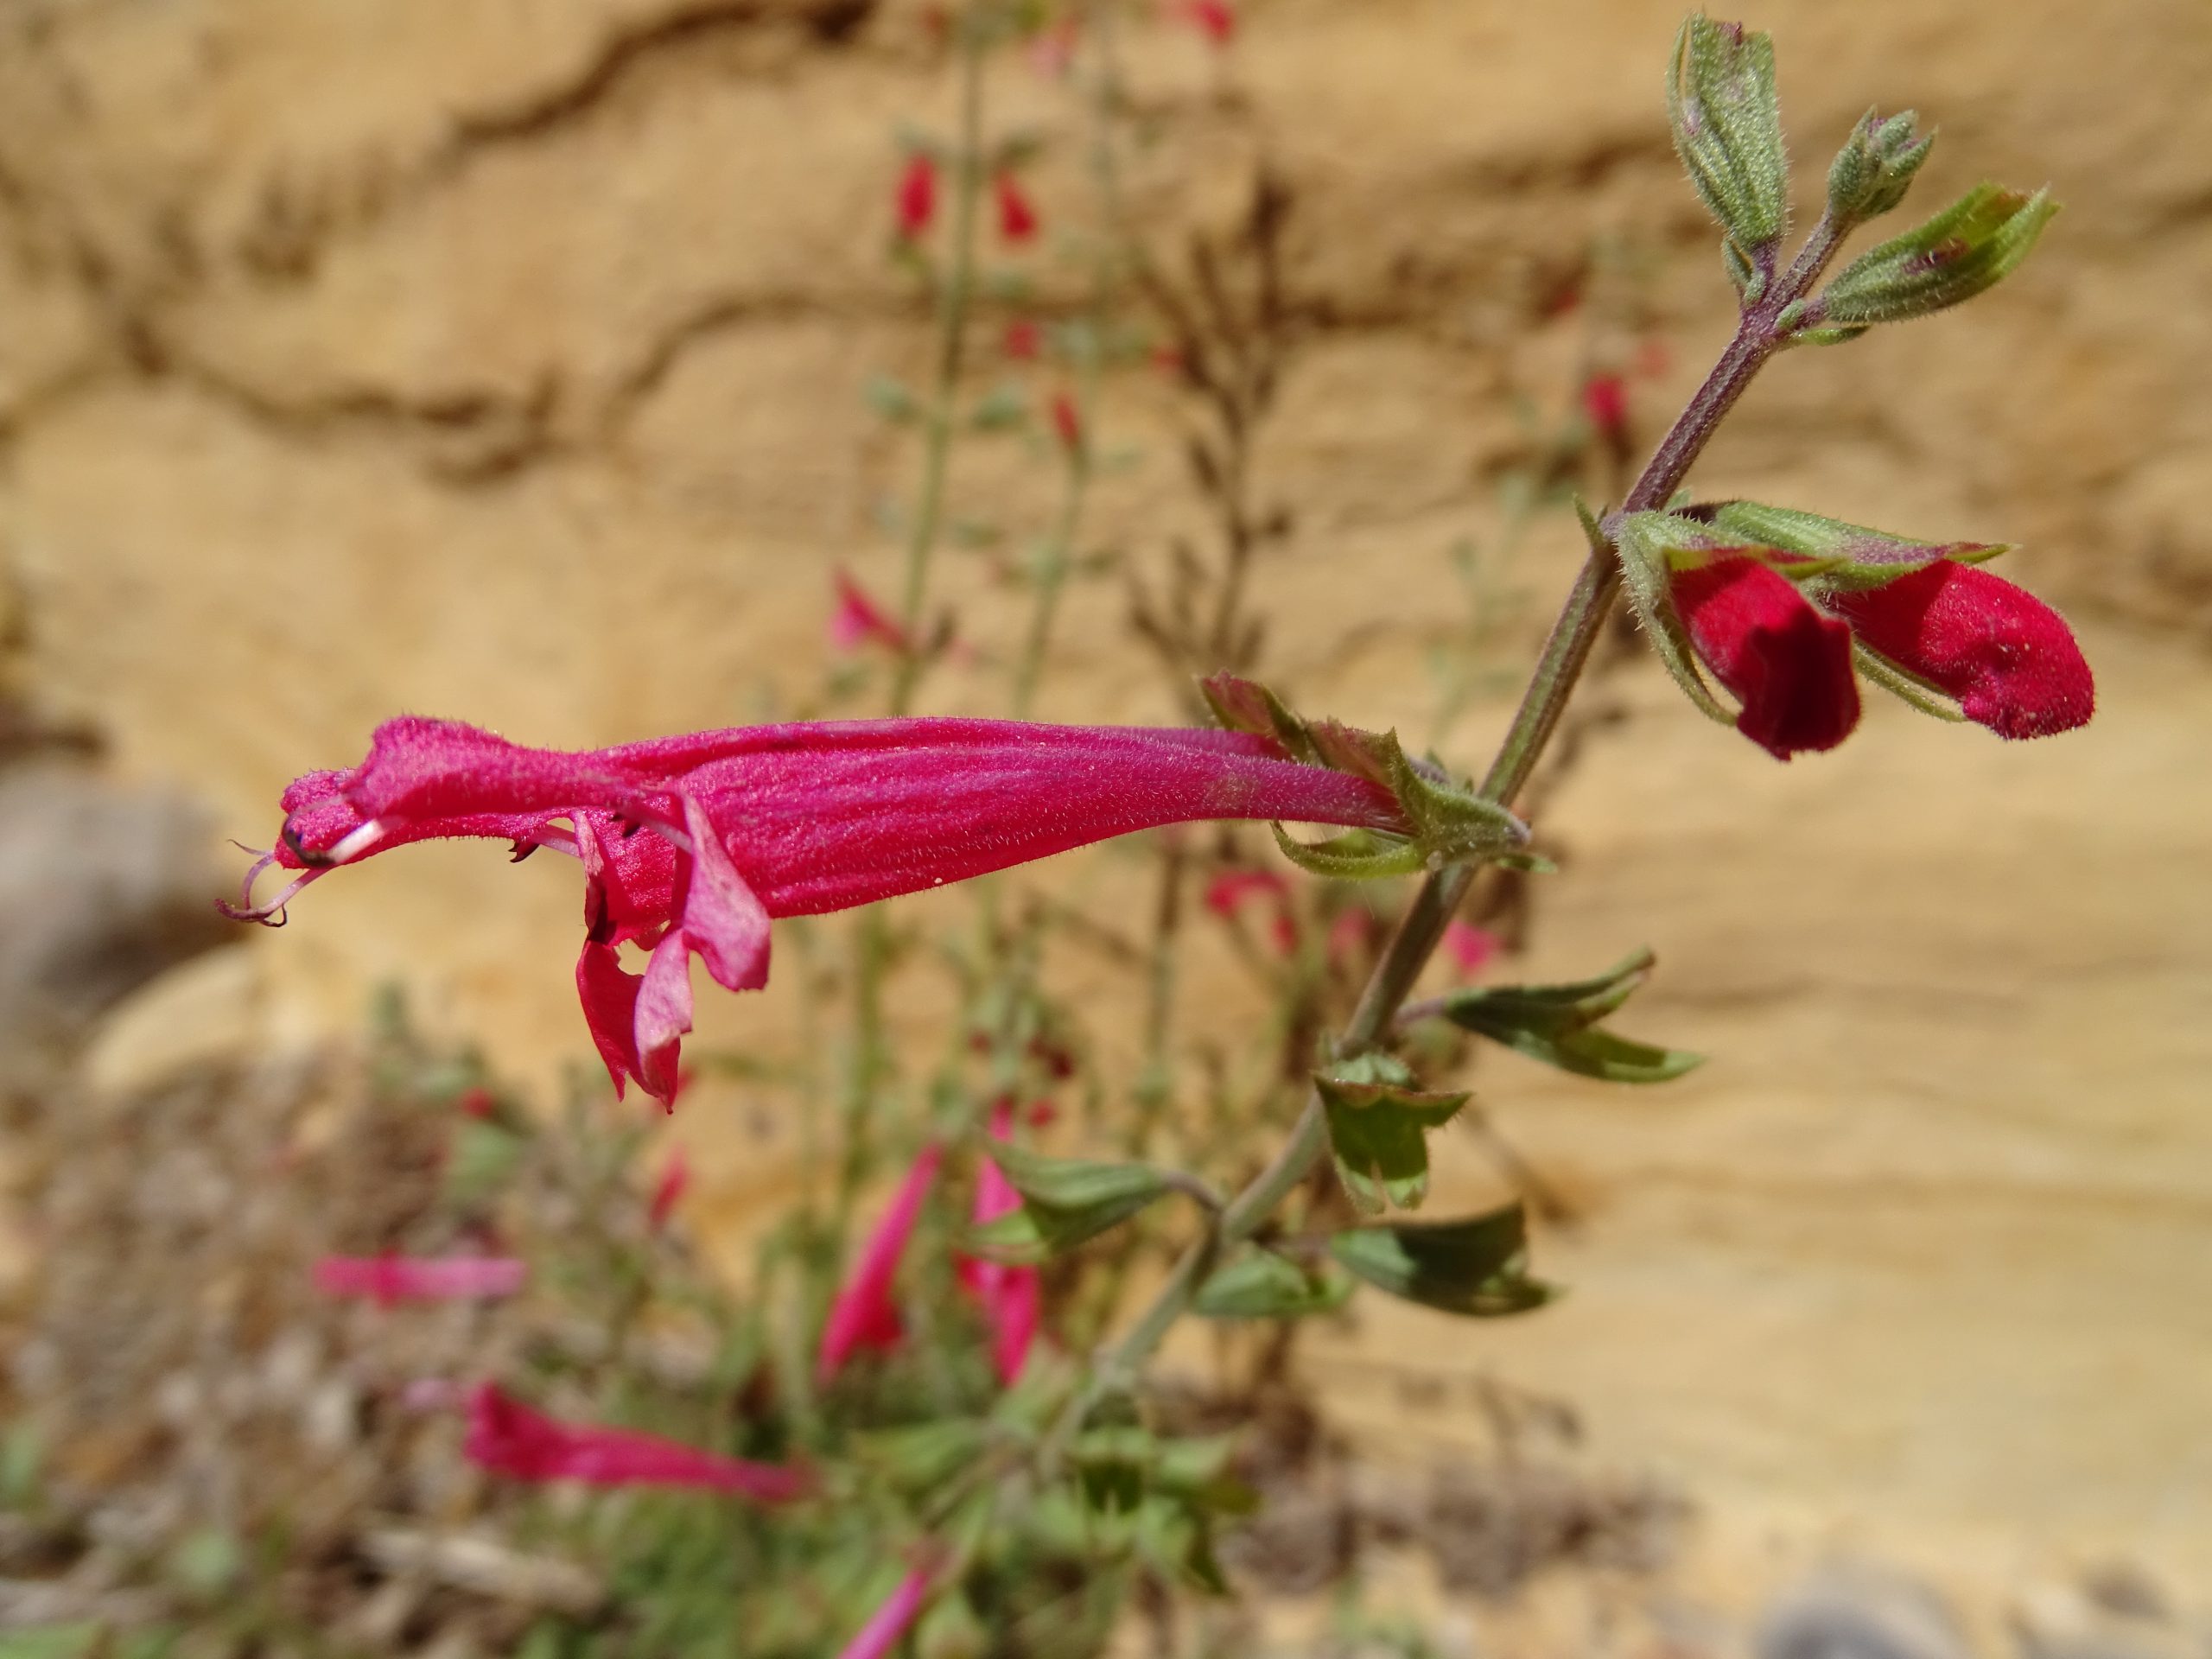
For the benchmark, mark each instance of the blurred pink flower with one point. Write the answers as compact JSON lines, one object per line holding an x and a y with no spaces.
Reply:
{"x":1348,"y":935}
{"x":916,"y":202}
{"x":1017,"y":218}
{"x":858,"y":620}
{"x":1067,"y":423}
{"x":689,"y":844}
{"x":509,"y":1437}
{"x":1052,"y":53}
{"x":389,"y":1279}
{"x":863,"y":1314}
{"x":1011,"y":1296}
{"x":1469,"y":948}
{"x":888,"y":1623}
{"x":1229,"y":891}
{"x":1024,"y":339}
{"x":1604,"y":400}
{"x":1215,"y":19}
{"x":674,"y":1176}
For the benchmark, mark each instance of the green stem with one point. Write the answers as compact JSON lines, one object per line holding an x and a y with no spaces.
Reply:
{"x":1581,"y":622}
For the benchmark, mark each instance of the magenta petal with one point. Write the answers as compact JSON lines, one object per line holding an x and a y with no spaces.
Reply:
{"x":510,"y":1438}
{"x":416,"y":1278}
{"x":888,"y":1623}
{"x":663,"y":1013}
{"x":723,"y":919}
{"x":863,"y":1314}
{"x":608,"y":992}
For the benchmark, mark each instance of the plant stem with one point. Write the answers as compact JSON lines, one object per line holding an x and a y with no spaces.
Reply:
{"x":1581,"y":620}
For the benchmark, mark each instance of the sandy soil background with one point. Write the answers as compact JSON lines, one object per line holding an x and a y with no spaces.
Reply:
{"x":505,"y":361}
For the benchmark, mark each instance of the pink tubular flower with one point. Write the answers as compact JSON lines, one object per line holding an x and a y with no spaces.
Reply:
{"x":690,"y":844}
{"x":863,"y":1314}
{"x":1215,"y":19}
{"x":389,"y":1279}
{"x":1011,"y":1296}
{"x":889,"y":1623}
{"x":916,"y":204}
{"x":1788,"y":664}
{"x":1469,"y":948}
{"x":509,"y":1437}
{"x":1228,"y":893}
{"x":858,"y":620}
{"x":1017,"y":218}
{"x":674,"y":1176}
{"x":2008,"y":659}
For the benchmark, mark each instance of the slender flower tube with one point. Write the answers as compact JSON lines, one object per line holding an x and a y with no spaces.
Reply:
{"x":389,"y":1279}
{"x":2008,"y":659}
{"x":1011,"y":1296}
{"x":863,"y":1314}
{"x":668,"y":1191}
{"x":916,"y":202}
{"x":888,"y":1625}
{"x":689,"y":844}
{"x":509,"y":1437}
{"x":1788,"y":664}
{"x":1017,"y":218}
{"x":858,"y":620}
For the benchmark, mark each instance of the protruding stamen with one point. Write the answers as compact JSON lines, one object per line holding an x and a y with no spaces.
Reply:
{"x":356,"y":842}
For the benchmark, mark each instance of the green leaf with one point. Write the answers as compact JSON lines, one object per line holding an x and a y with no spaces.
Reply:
{"x":1558,"y":1024}
{"x":1378,"y":1129}
{"x":1474,"y":1267}
{"x":923,"y":1455}
{"x":1727,"y":125}
{"x":1357,"y":855}
{"x":1112,"y":1465}
{"x":1872,"y":171}
{"x":482,"y":1159}
{"x":1065,"y":1202}
{"x":891,"y":400}
{"x":1260,"y":1285}
{"x":1967,"y":248}
{"x":1001,"y":407}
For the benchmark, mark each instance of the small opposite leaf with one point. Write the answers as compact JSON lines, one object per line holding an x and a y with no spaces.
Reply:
{"x":1378,"y":1131}
{"x":1557,"y":1024}
{"x":1065,"y":1202}
{"x":1260,"y":1285}
{"x":1475,"y":1267}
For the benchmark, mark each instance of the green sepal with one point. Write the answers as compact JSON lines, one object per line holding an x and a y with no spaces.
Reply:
{"x":1242,"y":705}
{"x":1378,"y":1129}
{"x":1727,"y":124}
{"x":1872,"y":171}
{"x":1558,"y":1024}
{"x":1643,"y":541}
{"x":1967,"y":248}
{"x":1851,"y":558}
{"x":1910,"y":688}
{"x":1357,"y":855}
{"x":1261,"y":1285}
{"x":1476,"y":1267}
{"x":1064,"y":1202}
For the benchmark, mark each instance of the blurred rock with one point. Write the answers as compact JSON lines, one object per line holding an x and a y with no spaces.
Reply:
{"x":2109,"y":1615}
{"x":1859,"y":1613}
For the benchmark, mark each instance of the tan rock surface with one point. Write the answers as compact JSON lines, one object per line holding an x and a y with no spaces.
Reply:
{"x":505,"y":360}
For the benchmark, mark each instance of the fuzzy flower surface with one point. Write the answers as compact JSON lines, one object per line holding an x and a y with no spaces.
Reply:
{"x":390,"y":1279}
{"x":690,"y":844}
{"x":510,"y":1438}
{"x":864,"y":1313}
{"x":1787,"y":663}
{"x":2008,"y":659}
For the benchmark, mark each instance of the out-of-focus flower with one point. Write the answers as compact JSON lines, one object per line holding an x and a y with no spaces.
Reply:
{"x":509,"y":1437}
{"x":858,"y":620}
{"x":1017,"y":218}
{"x":2008,"y":659}
{"x":1604,"y":400}
{"x":1023,"y":339}
{"x":1229,"y":892}
{"x":668,"y":1190}
{"x":1215,"y":19}
{"x":689,"y":844}
{"x":477,"y":1102}
{"x":1052,"y":53}
{"x":389,"y":1279}
{"x":1469,"y":948}
{"x":1350,"y":935}
{"x":915,"y":205}
{"x":863,"y":1314}
{"x":1067,"y":424}
{"x":888,"y":1625}
{"x":1011,"y":1296}
{"x":1788,"y":664}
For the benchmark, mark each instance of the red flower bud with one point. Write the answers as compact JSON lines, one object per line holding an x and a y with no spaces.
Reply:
{"x":1788,"y":664}
{"x":916,"y":199}
{"x":1017,"y":218}
{"x":1604,"y":400}
{"x":2008,"y":658}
